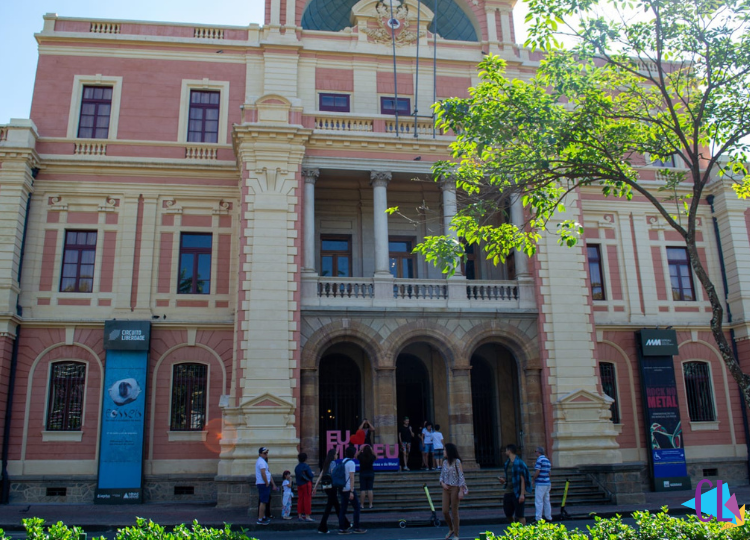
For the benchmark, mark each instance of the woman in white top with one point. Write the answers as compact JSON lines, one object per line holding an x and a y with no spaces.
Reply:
{"x":453,"y":482}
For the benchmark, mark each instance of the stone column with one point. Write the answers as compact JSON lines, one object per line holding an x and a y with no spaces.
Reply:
{"x":379,"y":181}
{"x":309,"y":421}
{"x":385,"y":419}
{"x":517,"y":218}
{"x":461,"y":415}
{"x":310,"y":176}
{"x":533,"y":425}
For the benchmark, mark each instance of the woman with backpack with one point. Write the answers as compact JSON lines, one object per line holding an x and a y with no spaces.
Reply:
{"x":325,"y":481}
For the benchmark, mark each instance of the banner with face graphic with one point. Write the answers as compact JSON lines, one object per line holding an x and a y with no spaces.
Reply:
{"x":123,"y":415}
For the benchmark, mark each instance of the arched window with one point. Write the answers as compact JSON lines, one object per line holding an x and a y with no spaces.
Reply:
{"x":189,"y":389}
{"x":700,"y":396}
{"x":608,"y":377}
{"x":66,"y":390}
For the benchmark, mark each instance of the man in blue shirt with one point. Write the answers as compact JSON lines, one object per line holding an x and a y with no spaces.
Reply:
{"x":542,"y":485}
{"x":517,"y":476}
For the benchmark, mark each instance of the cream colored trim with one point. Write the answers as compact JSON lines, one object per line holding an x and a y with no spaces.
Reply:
{"x":62,"y":436}
{"x":153,"y":388}
{"x":114,"y":52}
{"x":79,"y":81}
{"x":633,"y":398}
{"x":705,"y":426}
{"x":188,"y":436}
{"x":29,"y":388}
{"x":182,"y":466}
{"x":58,"y":467}
{"x":205,"y":84}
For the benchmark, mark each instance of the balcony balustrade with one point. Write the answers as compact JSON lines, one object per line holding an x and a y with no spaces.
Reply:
{"x":348,"y":293}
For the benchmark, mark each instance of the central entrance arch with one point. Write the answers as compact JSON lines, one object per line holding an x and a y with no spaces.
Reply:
{"x":340,"y":396}
{"x":495,"y":403}
{"x":414,"y":399}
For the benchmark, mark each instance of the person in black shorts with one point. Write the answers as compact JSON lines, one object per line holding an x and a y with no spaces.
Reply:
{"x":405,"y":436}
{"x":516,"y":482}
{"x":366,"y":473}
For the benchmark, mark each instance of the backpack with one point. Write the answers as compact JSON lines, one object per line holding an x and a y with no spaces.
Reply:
{"x":338,"y":476}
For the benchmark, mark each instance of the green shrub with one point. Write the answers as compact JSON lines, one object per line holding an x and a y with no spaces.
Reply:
{"x":144,"y":529}
{"x":648,"y":526}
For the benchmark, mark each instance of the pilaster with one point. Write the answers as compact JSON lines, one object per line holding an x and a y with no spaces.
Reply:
{"x":461,"y":415}
{"x":264,"y":413}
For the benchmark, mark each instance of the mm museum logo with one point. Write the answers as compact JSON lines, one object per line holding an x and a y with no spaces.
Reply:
{"x":712,"y":503}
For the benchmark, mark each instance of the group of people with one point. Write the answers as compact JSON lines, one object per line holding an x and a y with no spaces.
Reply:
{"x":517,"y":482}
{"x":430,"y":444}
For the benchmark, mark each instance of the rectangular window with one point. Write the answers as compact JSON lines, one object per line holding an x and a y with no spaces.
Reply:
{"x":79,"y":256}
{"x":595,"y":272}
{"x":608,"y":377}
{"x":203,"y":122}
{"x":336,"y":256}
{"x":388,"y":106}
{"x":401,"y":258}
{"x":96,"y":106}
{"x":66,"y":388}
{"x":700,"y":397}
{"x":195,"y":264}
{"x":189,"y":384}
{"x":679,"y":274}
{"x":666,"y":163}
{"x":333,"y":102}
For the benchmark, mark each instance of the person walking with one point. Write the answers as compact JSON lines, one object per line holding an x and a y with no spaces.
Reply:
{"x":326,"y":483}
{"x":437,"y":445}
{"x":516,"y":482}
{"x":542,"y":485}
{"x":304,"y":477}
{"x":349,"y":495}
{"x":454,"y":485}
{"x":264,"y":483}
{"x":366,"y":474}
{"x":405,"y":436}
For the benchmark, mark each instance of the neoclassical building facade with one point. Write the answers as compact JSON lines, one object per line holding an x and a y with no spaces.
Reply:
{"x":229,"y":186}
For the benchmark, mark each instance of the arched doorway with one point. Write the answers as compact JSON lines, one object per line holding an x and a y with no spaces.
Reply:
{"x":495,"y":404}
{"x":340,"y":396}
{"x":413,"y":399}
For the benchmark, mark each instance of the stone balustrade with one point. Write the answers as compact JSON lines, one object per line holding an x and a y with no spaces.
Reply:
{"x":201,"y":152}
{"x":104,"y":28}
{"x":348,"y":293}
{"x":90,"y":149}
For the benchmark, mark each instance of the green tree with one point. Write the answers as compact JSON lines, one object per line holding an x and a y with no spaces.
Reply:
{"x":653,"y":79}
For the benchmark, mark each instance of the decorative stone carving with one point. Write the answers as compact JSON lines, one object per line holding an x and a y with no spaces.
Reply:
{"x":310,"y":175}
{"x":380,"y":178}
{"x":376,"y":22}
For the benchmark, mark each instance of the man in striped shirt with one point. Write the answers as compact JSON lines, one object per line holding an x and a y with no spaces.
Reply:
{"x":542,"y":485}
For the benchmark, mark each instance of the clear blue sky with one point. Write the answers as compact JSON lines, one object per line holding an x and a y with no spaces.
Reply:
{"x":20,"y":19}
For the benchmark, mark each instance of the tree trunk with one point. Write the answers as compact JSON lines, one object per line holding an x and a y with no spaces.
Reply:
{"x":717,"y":318}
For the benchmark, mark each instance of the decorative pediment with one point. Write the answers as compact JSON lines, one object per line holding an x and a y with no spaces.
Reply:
{"x":374,"y":19}
{"x":585,"y":397}
{"x":267,"y":400}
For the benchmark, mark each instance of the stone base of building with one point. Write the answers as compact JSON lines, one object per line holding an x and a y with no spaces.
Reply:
{"x":232,"y":491}
{"x":81,"y":490}
{"x":733,"y":471}
{"x":623,"y":482}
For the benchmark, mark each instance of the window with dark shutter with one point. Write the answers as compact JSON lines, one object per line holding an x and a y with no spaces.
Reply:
{"x":66,"y":391}
{"x":189,"y":385}
{"x":608,"y":376}
{"x":700,"y":396}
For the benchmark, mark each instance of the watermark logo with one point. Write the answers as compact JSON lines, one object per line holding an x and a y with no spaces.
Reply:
{"x":719,"y":503}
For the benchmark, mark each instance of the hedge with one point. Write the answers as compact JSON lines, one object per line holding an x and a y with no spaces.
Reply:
{"x":648,"y":526}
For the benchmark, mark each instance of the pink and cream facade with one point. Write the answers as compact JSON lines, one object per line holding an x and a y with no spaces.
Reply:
{"x":229,"y":185}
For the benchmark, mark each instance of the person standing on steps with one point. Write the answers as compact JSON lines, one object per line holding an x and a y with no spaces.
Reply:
{"x":542,"y":485}
{"x":405,"y":436}
{"x":516,"y":482}
{"x":369,"y":430}
{"x":437,"y":446}
{"x":349,"y":495}
{"x":453,"y":483}
{"x":326,"y":483}
{"x":366,"y":474}
{"x":427,"y":446}
{"x":264,"y":483}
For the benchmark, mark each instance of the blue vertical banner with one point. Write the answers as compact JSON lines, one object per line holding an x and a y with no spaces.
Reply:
{"x":120,"y":478}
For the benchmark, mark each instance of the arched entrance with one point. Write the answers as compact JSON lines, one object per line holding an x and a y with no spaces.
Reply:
{"x":495,"y":403}
{"x":413,"y":398}
{"x":339,"y":397}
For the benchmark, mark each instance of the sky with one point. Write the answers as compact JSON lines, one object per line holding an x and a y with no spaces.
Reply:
{"x":20,"y":20}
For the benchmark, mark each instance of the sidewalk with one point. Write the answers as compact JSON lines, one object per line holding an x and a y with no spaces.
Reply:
{"x":105,"y":518}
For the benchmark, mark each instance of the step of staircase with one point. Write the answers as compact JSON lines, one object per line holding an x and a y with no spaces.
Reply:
{"x":403,"y":491}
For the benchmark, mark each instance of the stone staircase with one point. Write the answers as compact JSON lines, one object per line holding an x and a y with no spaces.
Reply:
{"x":402,"y":491}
